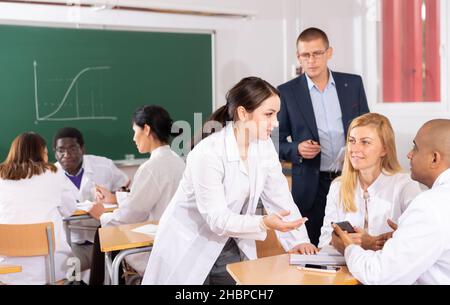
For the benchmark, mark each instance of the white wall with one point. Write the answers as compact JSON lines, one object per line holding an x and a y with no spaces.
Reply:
{"x":265,"y":45}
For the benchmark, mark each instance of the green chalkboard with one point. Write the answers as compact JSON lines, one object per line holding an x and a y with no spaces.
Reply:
{"x":95,"y":79}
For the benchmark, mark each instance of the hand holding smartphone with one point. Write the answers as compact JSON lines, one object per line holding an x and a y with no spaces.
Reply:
{"x":345,"y":226}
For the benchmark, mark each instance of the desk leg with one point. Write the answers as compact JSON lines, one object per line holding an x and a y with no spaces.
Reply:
{"x":118,"y":259}
{"x":108,"y":268}
{"x":66,"y":223}
{"x":67,"y":230}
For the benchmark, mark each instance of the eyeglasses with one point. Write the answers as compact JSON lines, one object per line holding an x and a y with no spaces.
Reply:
{"x":71,"y":149}
{"x":313,"y":55}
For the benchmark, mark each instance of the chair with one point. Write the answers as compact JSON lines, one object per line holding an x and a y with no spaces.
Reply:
{"x":270,"y":246}
{"x":287,"y":171}
{"x":24,"y":240}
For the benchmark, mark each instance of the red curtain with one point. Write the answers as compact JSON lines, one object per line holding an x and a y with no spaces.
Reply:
{"x":411,"y":61}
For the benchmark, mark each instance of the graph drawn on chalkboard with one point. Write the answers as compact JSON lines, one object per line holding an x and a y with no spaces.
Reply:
{"x":77,"y":102}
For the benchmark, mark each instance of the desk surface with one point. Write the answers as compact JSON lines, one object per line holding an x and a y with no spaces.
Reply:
{"x":121,"y":237}
{"x":276,"y":270}
{"x":82,"y":212}
{"x":5,"y":269}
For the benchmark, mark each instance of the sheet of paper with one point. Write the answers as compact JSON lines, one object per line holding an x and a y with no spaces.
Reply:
{"x":149,"y":229}
{"x":87,"y":205}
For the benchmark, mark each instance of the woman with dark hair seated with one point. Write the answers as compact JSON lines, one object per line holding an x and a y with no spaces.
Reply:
{"x":152,"y":188}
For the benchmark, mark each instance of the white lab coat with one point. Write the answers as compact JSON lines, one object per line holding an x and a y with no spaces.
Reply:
{"x":205,"y":210}
{"x":154,"y":185}
{"x":389,"y":196}
{"x":34,"y":200}
{"x":97,"y":170}
{"x":419,"y":251}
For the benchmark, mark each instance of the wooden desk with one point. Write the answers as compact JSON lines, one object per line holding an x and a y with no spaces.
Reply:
{"x":79,"y":215}
{"x":5,"y":269}
{"x":82,"y":212}
{"x":275,"y":270}
{"x":121,"y":238}
{"x":116,"y":238}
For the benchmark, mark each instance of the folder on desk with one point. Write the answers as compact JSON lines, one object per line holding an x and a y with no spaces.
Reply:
{"x":149,"y":229}
{"x":326,"y":256}
{"x":299,"y":259}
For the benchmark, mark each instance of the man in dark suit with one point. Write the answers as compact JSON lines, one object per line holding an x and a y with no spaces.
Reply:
{"x":316,"y":110}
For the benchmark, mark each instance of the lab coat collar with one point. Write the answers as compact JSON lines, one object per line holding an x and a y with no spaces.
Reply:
{"x":87,"y":166}
{"x":375,"y":186}
{"x":444,"y":178}
{"x":159,"y":151}
{"x":231,"y":146}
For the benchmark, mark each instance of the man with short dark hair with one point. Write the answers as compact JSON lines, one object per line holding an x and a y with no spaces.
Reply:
{"x":83,"y":172}
{"x":419,"y":250}
{"x":316,"y":109}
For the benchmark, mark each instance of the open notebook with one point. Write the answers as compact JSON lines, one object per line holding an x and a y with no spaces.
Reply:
{"x":326,"y":256}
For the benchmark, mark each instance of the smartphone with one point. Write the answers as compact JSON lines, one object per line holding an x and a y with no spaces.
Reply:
{"x":320,"y":268}
{"x":346,"y":226}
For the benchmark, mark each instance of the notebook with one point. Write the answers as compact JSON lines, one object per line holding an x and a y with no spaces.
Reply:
{"x":87,"y":205}
{"x":327,"y":256}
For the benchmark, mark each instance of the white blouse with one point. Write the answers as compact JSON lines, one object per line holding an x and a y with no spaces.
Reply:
{"x":388,"y":198}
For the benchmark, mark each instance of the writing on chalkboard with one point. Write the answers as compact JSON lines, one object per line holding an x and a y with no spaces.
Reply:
{"x":73,"y":92}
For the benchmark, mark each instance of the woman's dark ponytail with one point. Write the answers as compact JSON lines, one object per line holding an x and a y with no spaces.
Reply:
{"x":158,"y":119}
{"x":221,"y":115}
{"x":249,"y":93}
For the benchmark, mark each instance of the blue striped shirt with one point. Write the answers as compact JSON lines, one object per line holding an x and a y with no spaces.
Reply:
{"x":327,"y":112}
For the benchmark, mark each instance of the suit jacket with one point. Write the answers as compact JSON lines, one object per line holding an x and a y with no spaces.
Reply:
{"x":297,"y":120}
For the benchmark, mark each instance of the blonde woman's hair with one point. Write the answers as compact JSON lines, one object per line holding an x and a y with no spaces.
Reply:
{"x":389,"y":163}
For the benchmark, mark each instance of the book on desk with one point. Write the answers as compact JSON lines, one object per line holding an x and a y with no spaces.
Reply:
{"x":326,"y":256}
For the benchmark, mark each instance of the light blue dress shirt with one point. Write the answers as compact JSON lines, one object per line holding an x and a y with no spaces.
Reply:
{"x":327,"y":112}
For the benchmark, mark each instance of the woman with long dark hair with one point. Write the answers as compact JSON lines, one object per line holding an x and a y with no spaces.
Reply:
{"x":211,"y":220}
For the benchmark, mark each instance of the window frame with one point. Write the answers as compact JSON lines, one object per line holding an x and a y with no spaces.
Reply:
{"x":374,"y":68}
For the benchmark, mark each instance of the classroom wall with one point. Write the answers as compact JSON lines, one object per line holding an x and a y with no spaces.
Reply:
{"x":265,"y":45}
{"x":243,"y":47}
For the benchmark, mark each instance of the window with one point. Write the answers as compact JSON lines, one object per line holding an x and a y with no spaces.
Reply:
{"x":411,"y":63}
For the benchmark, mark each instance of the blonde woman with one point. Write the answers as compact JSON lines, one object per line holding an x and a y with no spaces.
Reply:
{"x":372,"y":188}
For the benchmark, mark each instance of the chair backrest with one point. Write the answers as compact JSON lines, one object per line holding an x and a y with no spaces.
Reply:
{"x":23,"y":240}
{"x":270,"y":246}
